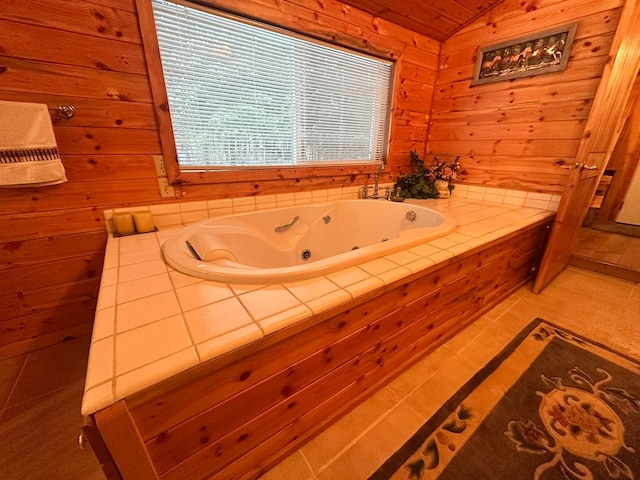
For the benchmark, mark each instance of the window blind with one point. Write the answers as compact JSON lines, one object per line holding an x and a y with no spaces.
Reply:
{"x":245,"y":95}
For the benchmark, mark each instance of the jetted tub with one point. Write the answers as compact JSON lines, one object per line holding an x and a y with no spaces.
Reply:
{"x":295,"y":243}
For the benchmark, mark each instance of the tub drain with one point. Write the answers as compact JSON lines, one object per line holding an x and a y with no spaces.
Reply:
{"x":306,"y":254}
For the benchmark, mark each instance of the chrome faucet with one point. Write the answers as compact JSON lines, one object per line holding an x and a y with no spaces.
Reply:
{"x":375,"y":195}
{"x":375,"y":185}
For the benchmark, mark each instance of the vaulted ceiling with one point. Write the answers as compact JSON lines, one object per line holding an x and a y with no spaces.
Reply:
{"x":438,"y":19}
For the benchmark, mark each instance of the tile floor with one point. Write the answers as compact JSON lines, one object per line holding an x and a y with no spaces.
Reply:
{"x":40,"y":418}
{"x":40,"y":393}
{"x":614,"y":248}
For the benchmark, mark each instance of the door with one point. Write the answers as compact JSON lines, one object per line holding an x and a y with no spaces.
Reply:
{"x":581,"y":185}
{"x":610,"y":108}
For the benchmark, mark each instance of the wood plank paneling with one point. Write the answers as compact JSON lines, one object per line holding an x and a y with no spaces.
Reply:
{"x":94,"y":168}
{"x":29,"y":76}
{"x":499,"y":127}
{"x":87,"y":140}
{"x":512,"y":94}
{"x":91,"y":112}
{"x":89,"y":54}
{"x":30,"y":226}
{"x":83,"y":194}
{"x":516,"y":148}
{"x":513,"y":19}
{"x":43,"y":340}
{"x":440,"y":18}
{"x":27,"y":301}
{"x":50,"y":249}
{"x":121,"y":437}
{"x":58,"y":46}
{"x":64,"y":271}
{"x":542,"y":111}
{"x":99,"y":18}
{"x":30,"y":327}
{"x":561,"y":130}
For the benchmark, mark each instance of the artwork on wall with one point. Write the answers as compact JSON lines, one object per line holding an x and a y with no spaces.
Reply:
{"x":543,"y":52}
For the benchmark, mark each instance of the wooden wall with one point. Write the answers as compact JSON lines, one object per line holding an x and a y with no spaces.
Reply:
{"x":512,"y":133}
{"x":89,"y":53}
{"x":52,"y":238}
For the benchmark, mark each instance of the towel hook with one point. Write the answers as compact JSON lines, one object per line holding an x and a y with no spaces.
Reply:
{"x":66,"y":111}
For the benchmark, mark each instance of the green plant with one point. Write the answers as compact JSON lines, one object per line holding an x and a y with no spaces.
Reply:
{"x":420,"y":183}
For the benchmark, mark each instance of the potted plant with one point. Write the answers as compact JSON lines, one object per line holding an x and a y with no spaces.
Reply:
{"x":428,"y":182}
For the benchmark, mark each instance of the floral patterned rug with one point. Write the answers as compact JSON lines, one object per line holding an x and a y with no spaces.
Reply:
{"x":551,"y":406}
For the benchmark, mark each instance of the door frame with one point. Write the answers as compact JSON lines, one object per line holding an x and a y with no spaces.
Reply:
{"x":603,"y":128}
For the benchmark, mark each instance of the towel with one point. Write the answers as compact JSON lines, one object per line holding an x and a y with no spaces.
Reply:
{"x":28,"y":151}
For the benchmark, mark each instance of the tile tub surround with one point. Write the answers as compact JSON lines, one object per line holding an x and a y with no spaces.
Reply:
{"x":153,"y":322}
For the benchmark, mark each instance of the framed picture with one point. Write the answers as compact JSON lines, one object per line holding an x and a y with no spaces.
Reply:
{"x":544,"y":52}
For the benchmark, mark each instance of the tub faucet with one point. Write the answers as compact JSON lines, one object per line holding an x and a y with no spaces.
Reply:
{"x":375,"y":184}
{"x":375,"y":195}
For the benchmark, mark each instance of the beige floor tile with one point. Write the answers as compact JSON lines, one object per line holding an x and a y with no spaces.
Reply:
{"x":519,"y":317}
{"x":338,"y":436}
{"x":419,"y":373}
{"x":609,"y":247}
{"x":578,"y":283}
{"x":506,"y":304}
{"x":467,"y":335}
{"x":487,"y":345}
{"x":51,"y":368}
{"x":586,"y":302}
{"x":9,"y":371}
{"x":294,"y":467}
{"x":625,"y":333}
{"x":441,"y":386}
{"x":362,"y":459}
{"x":39,"y":439}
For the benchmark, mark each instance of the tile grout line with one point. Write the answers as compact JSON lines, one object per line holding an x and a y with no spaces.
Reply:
{"x":13,"y":388}
{"x":306,"y":461}
{"x":362,"y":434}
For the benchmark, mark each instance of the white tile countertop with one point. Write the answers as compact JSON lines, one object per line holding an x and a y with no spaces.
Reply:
{"x":153,"y":322}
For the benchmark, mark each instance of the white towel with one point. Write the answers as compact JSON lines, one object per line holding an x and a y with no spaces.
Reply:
{"x":28,"y":150}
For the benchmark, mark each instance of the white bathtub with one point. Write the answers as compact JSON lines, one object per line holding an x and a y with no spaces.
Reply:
{"x":311,"y":240}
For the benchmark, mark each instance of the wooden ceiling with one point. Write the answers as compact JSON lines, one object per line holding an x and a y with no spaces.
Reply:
{"x":437,"y":19}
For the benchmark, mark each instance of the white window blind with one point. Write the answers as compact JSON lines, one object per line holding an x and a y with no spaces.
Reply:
{"x":247,"y":95}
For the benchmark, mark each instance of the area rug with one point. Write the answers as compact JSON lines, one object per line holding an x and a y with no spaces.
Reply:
{"x":551,"y":406}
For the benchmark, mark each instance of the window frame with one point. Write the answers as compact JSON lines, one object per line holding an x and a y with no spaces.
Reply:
{"x":181,"y":175}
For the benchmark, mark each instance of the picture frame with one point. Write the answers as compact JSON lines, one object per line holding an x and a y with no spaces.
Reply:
{"x":544,"y":52}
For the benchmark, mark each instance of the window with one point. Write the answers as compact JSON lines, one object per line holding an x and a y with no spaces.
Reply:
{"x":248,"y":95}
